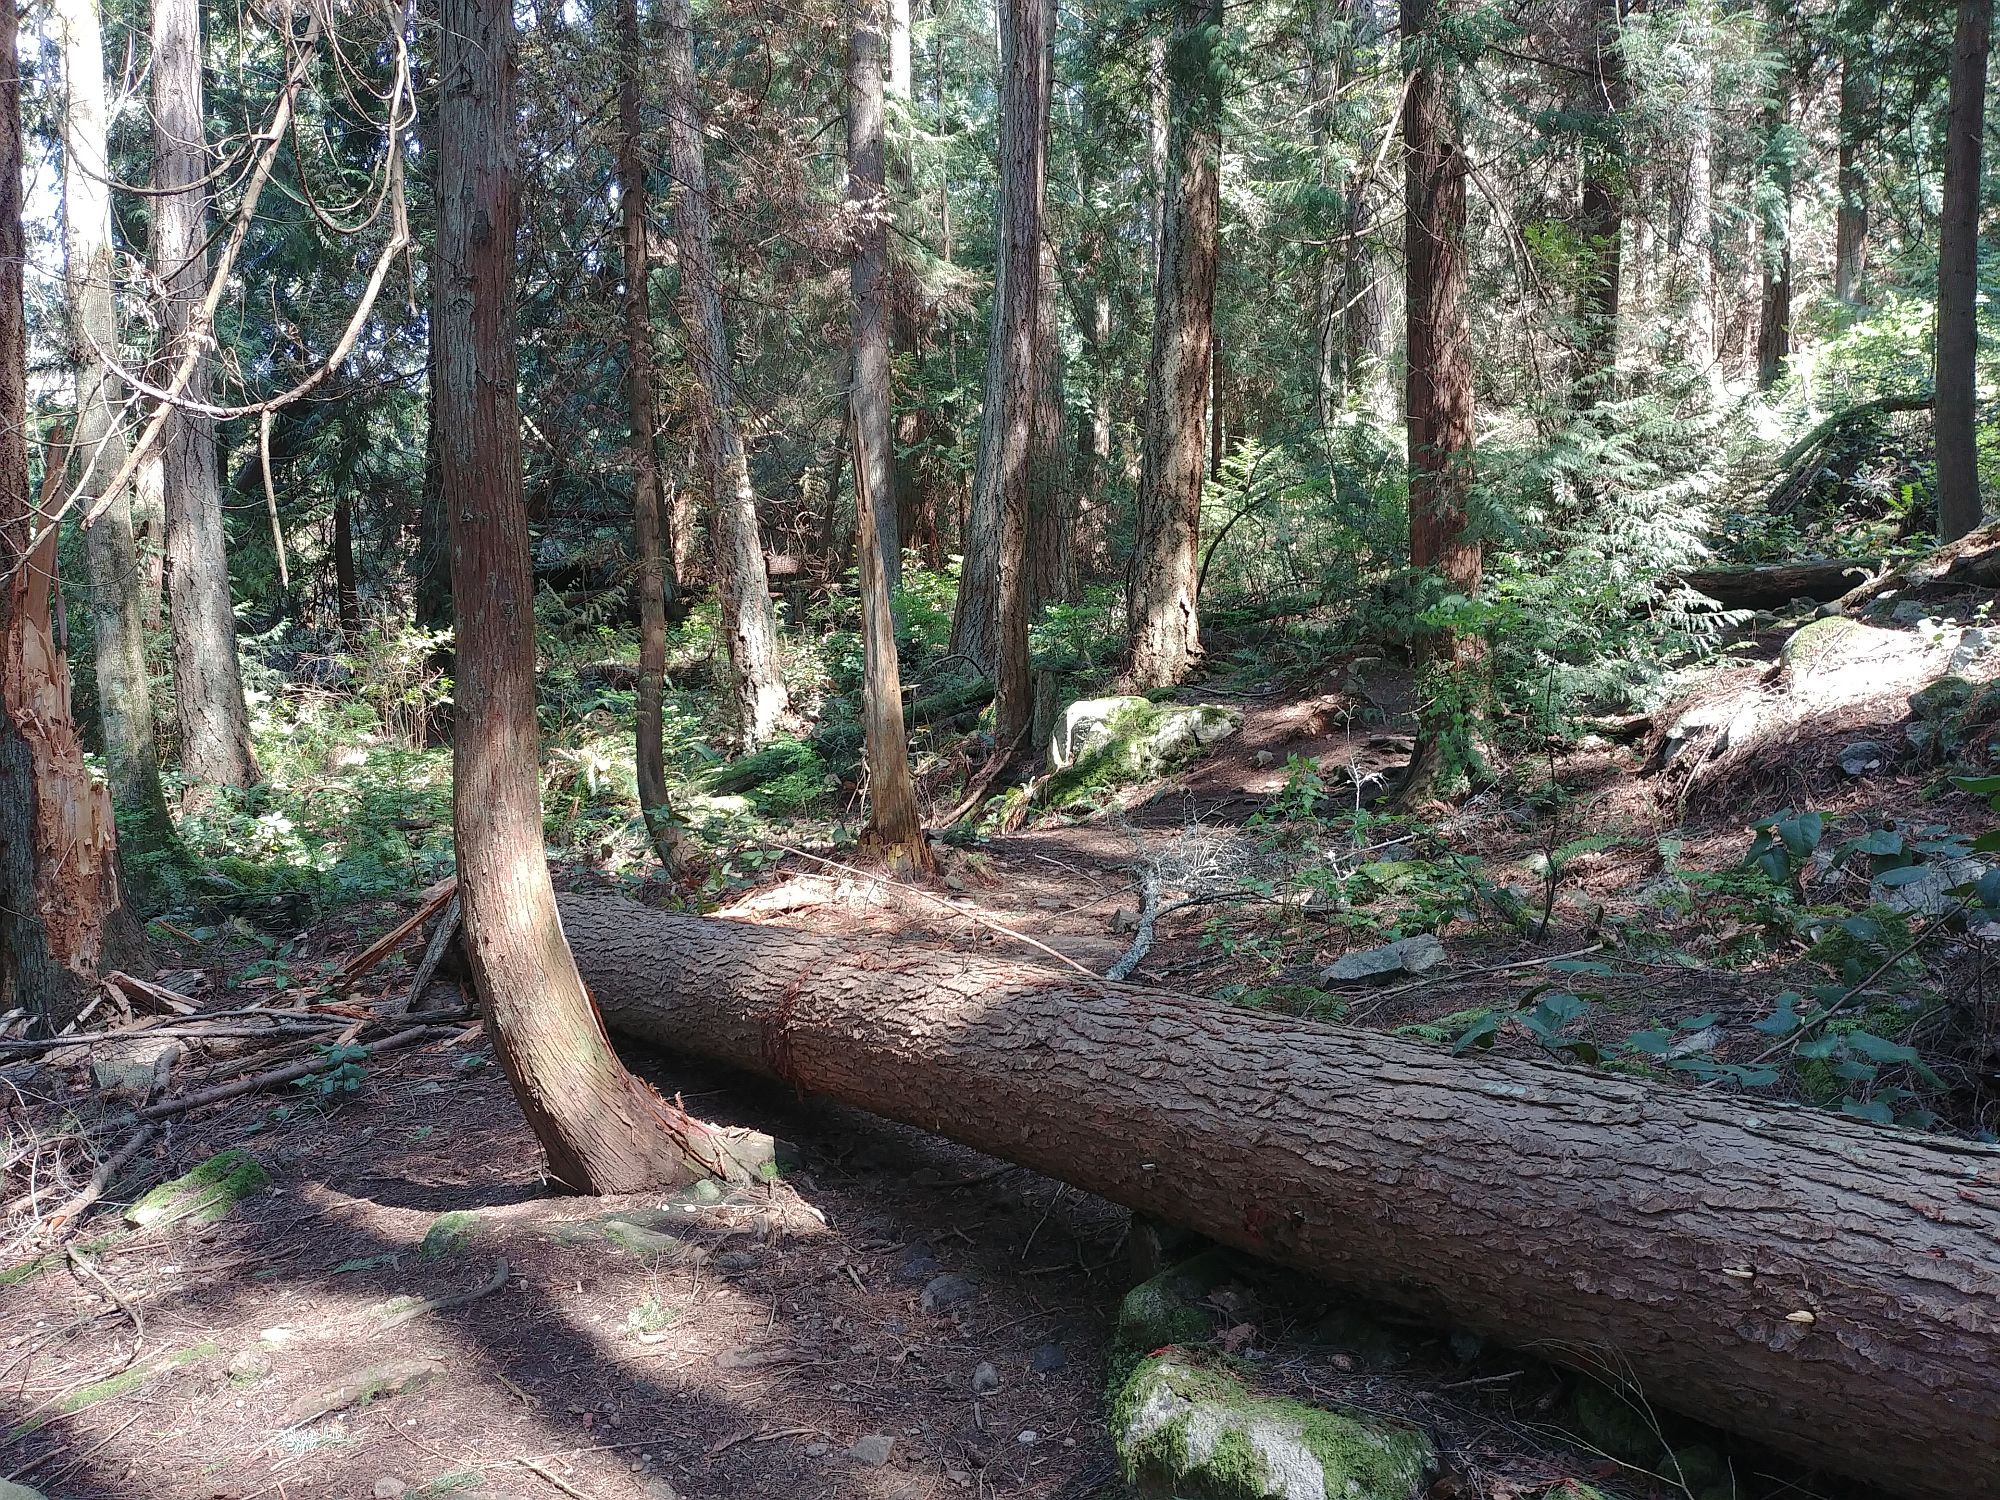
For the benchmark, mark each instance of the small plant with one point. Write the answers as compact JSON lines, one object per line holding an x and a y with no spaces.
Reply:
{"x":341,"y":1075}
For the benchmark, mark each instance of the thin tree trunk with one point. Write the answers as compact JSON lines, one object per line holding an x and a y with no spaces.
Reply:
{"x":208,"y":679}
{"x":916,"y":507}
{"x":1827,"y":1286}
{"x":894,"y":826}
{"x":1774,"y":316}
{"x":742,"y":582}
{"x":1160,"y":599}
{"x":124,"y":692}
{"x":346,"y":587}
{"x":656,"y":583}
{"x":1159,"y":109}
{"x":149,"y":535}
{"x":1602,"y":216}
{"x":603,"y":1130}
{"x":1850,"y":230}
{"x":1695,"y":272}
{"x":1959,"y":502}
{"x":1439,"y":403}
{"x":1052,"y":497}
{"x":975,"y":620}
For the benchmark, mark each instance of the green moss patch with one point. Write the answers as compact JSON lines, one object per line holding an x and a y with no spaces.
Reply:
{"x":206,"y":1194}
{"x":1165,"y":1310}
{"x":449,"y":1233}
{"x":115,"y":1386}
{"x":1201,"y":1434}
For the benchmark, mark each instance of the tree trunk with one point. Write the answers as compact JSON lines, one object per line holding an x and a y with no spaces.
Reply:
{"x":1439,"y":399}
{"x":1959,"y":503}
{"x":1774,"y":315}
{"x":149,"y":535}
{"x":656,"y":583}
{"x":894,"y":826}
{"x":124,"y":692}
{"x":1695,"y":271}
{"x":1602,"y":215}
{"x":1826,"y":1286}
{"x":208,"y":680}
{"x":346,"y":588}
{"x":1774,"y":585}
{"x":1160,"y":601}
{"x":603,"y":1130}
{"x":742,"y":584}
{"x":1850,"y":230}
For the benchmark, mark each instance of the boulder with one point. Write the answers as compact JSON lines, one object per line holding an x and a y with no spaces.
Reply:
{"x":1102,"y":743}
{"x":1410,"y":955}
{"x":1166,"y":1309}
{"x":1182,"y":1429}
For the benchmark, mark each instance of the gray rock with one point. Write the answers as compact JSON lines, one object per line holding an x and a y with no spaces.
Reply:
{"x":985,"y":1380}
{"x":1862,"y":757}
{"x":1909,"y":612}
{"x":1930,"y":895}
{"x":1411,"y":955}
{"x":872,"y":1451}
{"x":817,"y":1450}
{"x":659,"y":1488}
{"x":736,"y":1260}
{"x":1046,"y":1359}
{"x":388,"y":1487}
{"x":942,"y":1292}
{"x":249,"y":1365}
{"x":918,"y":1264}
{"x":1263,"y":760}
{"x":9,"y":1490}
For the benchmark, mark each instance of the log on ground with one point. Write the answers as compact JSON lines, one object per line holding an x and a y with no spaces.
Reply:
{"x":1774,"y":585}
{"x":1827,"y":1287}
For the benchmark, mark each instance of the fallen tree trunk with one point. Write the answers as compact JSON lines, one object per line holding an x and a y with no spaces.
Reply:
{"x":1827,"y":1287}
{"x":1772,"y":586}
{"x":1972,"y":560}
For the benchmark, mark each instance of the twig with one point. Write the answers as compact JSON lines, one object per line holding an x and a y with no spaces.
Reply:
{"x":975,"y":792}
{"x":456,"y":1299}
{"x":1142,"y":939}
{"x":103,"y":1177}
{"x":567,"y":1488}
{"x":305,"y":1068}
{"x":1054,"y":1199}
{"x":77,"y":1262}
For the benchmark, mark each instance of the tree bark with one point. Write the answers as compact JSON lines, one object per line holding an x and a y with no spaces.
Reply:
{"x":1959,"y":502}
{"x":893,"y":827}
{"x":1160,"y":600}
{"x":742,"y":583}
{"x":1828,"y":1287}
{"x":1775,"y":585}
{"x":1439,"y":383}
{"x":124,"y":692}
{"x":1602,"y":214}
{"x":1774,"y":316}
{"x":208,"y":679}
{"x":603,"y":1130}
{"x":1850,"y":229}
{"x":1695,"y":271}
{"x":656,"y":583}
{"x":346,"y":585}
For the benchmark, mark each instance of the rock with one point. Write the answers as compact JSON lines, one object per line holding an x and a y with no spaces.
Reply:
{"x":1153,"y":1245}
{"x":643,"y":1232}
{"x":1411,"y":955}
{"x":377,"y":1382}
{"x":9,"y":1490}
{"x":659,"y":1488}
{"x":872,"y":1451}
{"x":1862,"y":758}
{"x":985,"y":1380}
{"x":449,"y":1233}
{"x":1263,"y":760}
{"x":736,"y":1261}
{"x":1087,"y":726}
{"x":204,"y":1195}
{"x":1165,"y":1310}
{"x":917,"y":1264}
{"x":1909,"y":612}
{"x":1972,"y":645}
{"x":1180,"y":1430}
{"x":249,"y":1366}
{"x":1046,"y":1359}
{"x":1930,"y":894}
{"x":388,"y":1487}
{"x":1102,"y":743}
{"x":946,"y":1291}
{"x":817,"y":1450}
{"x":1941,"y":699}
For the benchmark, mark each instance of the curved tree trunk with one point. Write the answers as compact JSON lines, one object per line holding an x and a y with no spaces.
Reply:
{"x":1959,"y":505}
{"x":208,"y":680}
{"x":124,"y":692}
{"x":603,"y":1130}
{"x":656,"y":583}
{"x":742,"y":582}
{"x":1815,"y":1282}
{"x":1160,"y":600}
{"x":893,"y":823}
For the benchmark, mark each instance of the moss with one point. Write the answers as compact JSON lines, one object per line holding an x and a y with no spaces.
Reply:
{"x":205,"y":1194}
{"x":1203,"y":1434}
{"x":1445,"y":1028}
{"x":1162,"y":1310}
{"x":1133,"y":747}
{"x":449,"y":1233}
{"x":448,"y":1483}
{"x":115,"y":1386}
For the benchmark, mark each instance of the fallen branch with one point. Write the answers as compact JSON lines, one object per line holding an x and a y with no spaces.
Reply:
{"x":1142,"y":939}
{"x":456,"y":1299}
{"x":290,"y":1073}
{"x":434,"y":951}
{"x":106,"y":1173}
{"x":434,"y":901}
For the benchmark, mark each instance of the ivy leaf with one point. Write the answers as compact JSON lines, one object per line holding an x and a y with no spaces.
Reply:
{"x":1819,"y":1048}
{"x":1880,"y":1049}
{"x":1581,"y":966}
{"x":1855,"y":1072}
{"x":1784,"y":1020}
{"x":1701,"y":1022}
{"x":1903,"y":875}
{"x":1479,"y":1034}
{"x":1652,"y":1043}
{"x":1802,"y":834}
{"x":1868,"y":1110}
{"x":1883,"y":841}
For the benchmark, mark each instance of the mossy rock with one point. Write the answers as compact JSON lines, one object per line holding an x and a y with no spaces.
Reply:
{"x":1191,"y":1433}
{"x":644,"y":1232}
{"x":449,"y":1233}
{"x":1163,"y":1310}
{"x":1106,"y":743}
{"x":1942,"y":700}
{"x":206,"y":1194}
{"x":1818,"y":637}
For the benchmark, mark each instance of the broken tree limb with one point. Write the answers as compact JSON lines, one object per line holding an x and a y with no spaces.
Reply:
{"x":1775,"y":585}
{"x":1825,"y":1286}
{"x":434,"y":901}
{"x":1973,"y":559}
{"x":1795,"y":468}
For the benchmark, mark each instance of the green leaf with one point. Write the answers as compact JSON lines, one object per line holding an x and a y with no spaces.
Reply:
{"x":1803,"y":833}
{"x":1882,"y":841}
{"x":1701,"y":1022}
{"x":1855,"y":1072}
{"x":1880,"y":1049}
{"x":1903,"y":875}
{"x":1581,"y":966}
{"x":1870,"y":1110}
{"x":1479,"y":1034}
{"x":1783,"y":1021}
{"x":1819,"y":1048}
{"x":1979,"y":786}
{"x":1652,"y":1043}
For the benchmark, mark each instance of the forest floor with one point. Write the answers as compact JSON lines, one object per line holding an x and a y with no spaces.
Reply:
{"x":404,"y":1309}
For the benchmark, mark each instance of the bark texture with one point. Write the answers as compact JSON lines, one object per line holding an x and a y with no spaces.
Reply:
{"x":1774,"y":309}
{"x":894,"y":826}
{"x":1959,"y":502}
{"x":1160,"y":597}
{"x":1602,"y":215}
{"x":208,"y":679}
{"x":124,"y":693}
{"x":1672,"y":1235}
{"x":1850,"y":228}
{"x":603,"y":1130}
{"x":1695,"y":263}
{"x":656,"y":582}
{"x":742,"y":581}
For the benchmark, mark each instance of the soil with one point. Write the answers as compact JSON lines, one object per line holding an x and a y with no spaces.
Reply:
{"x":747,"y":1344}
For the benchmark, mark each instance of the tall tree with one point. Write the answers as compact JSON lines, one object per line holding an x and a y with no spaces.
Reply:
{"x":603,"y":1130}
{"x":657,"y":583}
{"x":124,"y":693}
{"x":1160,"y":597}
{"x":1774,"y":251}
{"x":893,"y":822}
{"x":1438,"y":334}
{"x":1695,"y":264}
{"x":742,"y":581}
{"x":58,"y":844}
{"x":208,"y":679}
{"x":1959,"y":502}
{"x":1855,"y":126}
{"x":1605,"y":166}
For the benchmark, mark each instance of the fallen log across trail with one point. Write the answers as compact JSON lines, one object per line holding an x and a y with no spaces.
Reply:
{"x":1817,"y":1283}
